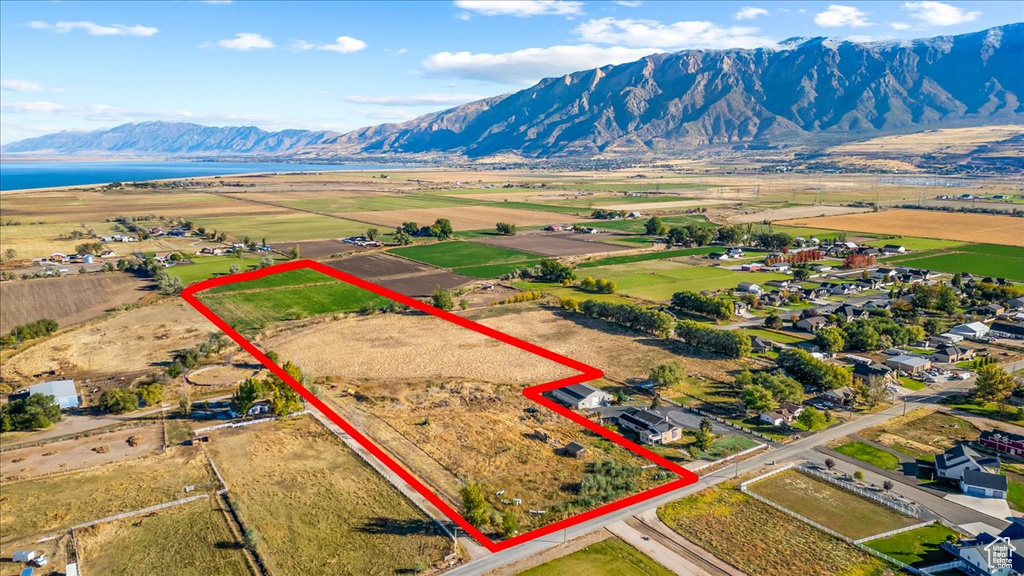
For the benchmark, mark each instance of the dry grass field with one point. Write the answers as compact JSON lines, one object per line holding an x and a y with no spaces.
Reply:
{"x":190,"y":539}
{"x":777,"y":214}
{"x":128,"y":343}
{"x":68,"y":455}
{"x":319,"y":508}
{"x":94,"y":205}
{"x":69,"y":299}
{"x":42,"y":505}
{"x":463,"y":217}
{"x":986,"y":228}
{"x":922,"y":433}
{"x":947,"y":141}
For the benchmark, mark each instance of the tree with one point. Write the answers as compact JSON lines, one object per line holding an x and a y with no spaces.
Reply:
{"x":403,"y":239}
{"x":251,"y":539}
{"x":442,"y":229}
{"x":554,"y":271}
{"x":505,"y":228}
{"x":294,"y":253}
{"x":874,"y":391}
{"x":758,"y":398}
{"x":32,"y":413}
{"x":742,"y":380}
{"x":830,"y":339}
{"x":185,"y":405}
{"x":861,"y":335}
{"x":233,"y":269}
{"x":704,"y":435}
{"x":474,"y":504}
{"x":773,"y":321}
{"x":830,"y":463}
{"x":118,"y":401}
{"x":188,"y":358}
{"x":655,"y":227}
{"x":168,"y":284}
{"x":811,"y":418}
{"x":667,"y":375}
{"x":509,"y":524}
{"x":151,"y":394}
{"x":266,"y":262}
{"x":372,"y":234}
{"x":859,"y":475}
{"x":442,"y":299}
{"x":10,"y":254}
{"x":248,"y":392}
{"x":887,"y":485}
{"x":993,"y":383}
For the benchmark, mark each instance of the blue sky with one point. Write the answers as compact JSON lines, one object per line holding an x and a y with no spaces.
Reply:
{"x":89,"y":65}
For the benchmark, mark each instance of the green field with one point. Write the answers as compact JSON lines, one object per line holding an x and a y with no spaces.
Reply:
{"x":916,"y":244}
{"x":543,"y":207}
{"x":869,"y":454}
{"x":252,"y":305}
{"x":282,"y":227}
{"x":657,"y":280}
{"x":461,"y":254}
{"x":494,"y":270}
{"x":636,"y":225}
{"x":300,"y":277}
{"x":775,"y":336}
{"x":829,"y":505}
{"x":724,"y":446}
{"x":647,"y":256}
{"x":611,"y":557}
{"x":918,"y":547}
{"x":981,"y":259}
{"x":203,"y":267}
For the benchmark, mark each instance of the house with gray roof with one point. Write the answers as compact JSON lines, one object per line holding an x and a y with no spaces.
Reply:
{"x":581,"y":396}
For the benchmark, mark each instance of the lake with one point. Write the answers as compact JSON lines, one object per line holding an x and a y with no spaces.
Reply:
{"x":22,"y":175}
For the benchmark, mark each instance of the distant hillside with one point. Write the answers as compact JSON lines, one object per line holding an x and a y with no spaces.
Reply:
{"x":803,"y":90}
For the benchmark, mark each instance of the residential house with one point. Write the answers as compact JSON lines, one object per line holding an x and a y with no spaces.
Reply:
{"x":890,"y":249}
{"x":773,"y":298}
{"x":869,"y":283}
{"x":813,"y":293}
{"x":843,"y":288}
{"x":850,"y":312}
{"x":988,"y":555}
{"x":581,"y":396}
{"x":786,"y":413}
{"x":781,"y":267}
{"x":812,"y":324}
{"x":740,"y":308}
{"x":989,"y":310}
{"x":718,"y":256}
{"x":865,"y":373}
{"x":952,"y":354}
{"x":1014,"y":330}
{"x":971,"y":330}
{"x":1015,"y":304}
{"x":1003,"y":442}
{"x":651,"y":427}
{"x":634,"y":215}
{"x":952,"y":463}
{"x":761,"y":345}
{"x":887,"y":274}
{"x":983,"y":484}
{"x":879,"y":304}
{"x":843,"y":396}
{"x":734,"y":252}
{"x":749,"y":287}
{"x":908,"y":364}
{"x":946,"y":338}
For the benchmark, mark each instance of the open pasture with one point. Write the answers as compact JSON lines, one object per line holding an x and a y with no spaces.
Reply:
{"x":282,"y":226}
{"x":69,"y":299}
{"x":95,"y":205}
{"x":459,"y":254}
{"x":980,"y":259}
{"x":993,"y":229}
{"x":462,"y":217}
{"x":552,"y":244}
{"x":658,"y":280}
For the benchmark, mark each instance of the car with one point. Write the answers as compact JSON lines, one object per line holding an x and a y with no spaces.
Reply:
{"x":40,"y":561}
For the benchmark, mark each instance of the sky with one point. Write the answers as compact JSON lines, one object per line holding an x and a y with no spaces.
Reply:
{"x":344,"y":65}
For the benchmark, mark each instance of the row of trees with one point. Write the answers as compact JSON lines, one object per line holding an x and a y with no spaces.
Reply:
{"x":799,"y":257}
{"x":866,"y":334}
{"x":29,"y":331}
{"x":33,"y":413}
{"x":283,"y":399}
{"x":810,"y":371}
{"x":630,"y":316}
{"x":729,"y":343}
{"x":600,"y":285}
{"x":711,"y":306}
{"x":121,"y":400}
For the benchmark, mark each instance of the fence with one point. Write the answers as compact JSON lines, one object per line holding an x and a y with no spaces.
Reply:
{"x":247,"y":422}
{"x":727,"y":459}
{"x":907,"y":508}
{"x":896,"y":531}
{"x":721,"y":420}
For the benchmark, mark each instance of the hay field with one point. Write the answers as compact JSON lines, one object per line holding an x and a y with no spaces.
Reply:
{"x":70,"y":299}
{"x":37,"y":506}
{"x":319,"y":507}
{"x":190,"y":539}
{"x":463,"y":217}
{"x":129,"y":342}
{"x":96,"y":206}
{"x":983,"y":228}
{"x":780,"y":214}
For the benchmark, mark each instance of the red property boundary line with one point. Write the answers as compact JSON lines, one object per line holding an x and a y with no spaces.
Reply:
{"x":586,"y":374}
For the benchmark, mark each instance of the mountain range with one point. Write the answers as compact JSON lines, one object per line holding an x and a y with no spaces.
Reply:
{"x":799,"y":91}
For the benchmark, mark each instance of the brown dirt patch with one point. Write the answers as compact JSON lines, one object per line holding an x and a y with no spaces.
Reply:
{"x":79,"y":453}
{"x":398,"y":274}
{"x":463,"y":217}
{"x":69,"y":299}
{"x":985,"y":228}
{"x":317,"y":249}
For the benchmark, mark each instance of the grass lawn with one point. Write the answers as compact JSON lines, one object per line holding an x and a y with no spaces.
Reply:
{"x":775,"y":335}
{"x":989,"y":410}
{"x":283,"y":227}
{"x":189,"y":539}
{"x":203,"y":267}
{"x":759,"y":539}
{"x":724,"y":446}
{"x":917,"y":244}
{"x":46,"y":504}
{"x":869,"y":454}
{"x":982,"y":259}
{"x":918,"y":547}
{"x":829,"y":505}
{"x":319,"y":507}
{"x":761,"y":427}
{"x":461,"y":254}
{"x":1015,"y":486}
{"x":911,"y":384}
{"x":494,"y":270}
{"x":252,"y":305}
{"x":658,"y":280}
{"x":611,"y":557}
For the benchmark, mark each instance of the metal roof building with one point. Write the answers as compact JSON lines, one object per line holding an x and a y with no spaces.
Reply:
{"x":63,"y":391}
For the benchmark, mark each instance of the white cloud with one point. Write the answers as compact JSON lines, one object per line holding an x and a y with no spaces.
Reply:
{"x":749,"y":13}
{"x":939,"y":13}
{"x":521,"y":8}
{"x":838,"y":15}
{"x":15,"y":85}
{"x":529,"y":65}
{"x":37,"y":106}
{"x":342,"y":44}
{"x":899,"y":25}
{"x":434,"y":99}
{"x":678,"y":35}
{"x":629,"y":3}
{"x":94,"y":29}
{"x":243,"y":41}
{"x":464,"y":16}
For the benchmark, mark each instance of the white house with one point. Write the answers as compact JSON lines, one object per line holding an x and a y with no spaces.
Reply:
{"x":581,"y":396}
{"x":63,"y":392}
{"x":971,"y":330}
{"x":749,"y":287}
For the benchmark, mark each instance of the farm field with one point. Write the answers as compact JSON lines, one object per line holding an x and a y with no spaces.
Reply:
{"x":318,"y":249}
{"x":375,"y":202}
{"x":495,"y":270}
{"x":917,"y":547}
{"x":916,"y":244}
{"x":753,"y":537}
{"x":318,"y":506}
{"x":189,"y":539}
{"x":981,"y":259}
{"x":551,"y":244}
{"x":870,"y":454}
{"x":657,"y":281}
{"x":69,"y":455}
{"x":610,"y":557}
{"x":461,"y":254}
{"x":647,"y":256}
{"x":463,"y":217}
{"x":95,"y":205}
{"x":398,"y":274}
{"x":829,"y":505}
{"x":922,"y":434}
{"x":636,"y":225}
{"x":203,"y":267}
{"x":254,"y":304}
{"x":1002,"y":230}
{"x":36,"y":506}
{"x":282,"y":227}
{"x":36,"y":239}
{"x":69,"y":299}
